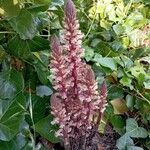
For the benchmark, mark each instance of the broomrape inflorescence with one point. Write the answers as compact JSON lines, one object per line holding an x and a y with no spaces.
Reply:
{"x":77,"y":105}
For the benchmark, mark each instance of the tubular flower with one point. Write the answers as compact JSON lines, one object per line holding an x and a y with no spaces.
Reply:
{"x":77,"y":102}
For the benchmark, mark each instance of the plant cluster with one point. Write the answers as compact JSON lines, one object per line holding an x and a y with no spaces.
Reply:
{"x":77,"y":105}
{"x":116,"y":47}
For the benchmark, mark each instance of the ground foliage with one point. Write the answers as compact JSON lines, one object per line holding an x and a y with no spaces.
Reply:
{"x":117,"y":46}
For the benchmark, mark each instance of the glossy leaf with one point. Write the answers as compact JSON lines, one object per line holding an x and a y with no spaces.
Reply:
{"x":45,"y":129}
{"x":106,"y":62}
{"x":124,"y":141}
{"x":133,"y":130}
{"x":25,"y":24}
{"x":43,"y":91}
{"x":11,"y":117}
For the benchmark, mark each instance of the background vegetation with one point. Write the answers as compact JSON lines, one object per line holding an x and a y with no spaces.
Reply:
{"x":117,"y":45}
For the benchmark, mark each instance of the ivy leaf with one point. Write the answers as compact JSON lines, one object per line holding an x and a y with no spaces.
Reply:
{"x":89,"y":53}
{"x":118,"y":29}
{"x":106,"y":61}
{"x":135,"y":19}
{"x":134,"y":148}
{"x":43,"y":91}
{"x":38,"y":44}
{"x":39,"y":108}
{"x":10,"y":82}
{"x":11,"y":117}
{"x":16,"y":143}
{"x":115,"y":92}
{"x":125,"y":81}
{"x":25,"y":24}
{"x":18,"y":47}
{"x":7,"y":89}
{"x":124,"y":141}
{"x":133,"y":130}
{"x":42,"y":75}
{"x":124,"y":61}
{"x":147,"y":84}
{"x":17,"y":79}
{"x":136,"y":70}
{"x":130,"y":101}
{"x":117,"y":45}
{"x":117,"y":121}
{"x":23,"y":48}
{"x":45,"y":129}
{"x":104,"y":49}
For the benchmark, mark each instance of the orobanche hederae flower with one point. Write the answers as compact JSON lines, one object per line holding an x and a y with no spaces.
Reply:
{"x":77,"y":104}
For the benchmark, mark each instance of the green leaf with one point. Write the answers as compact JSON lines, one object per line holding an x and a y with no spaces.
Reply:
{"x":11,"y":117}
{"x":95,"y":42}
{"x":138,"y":52}
{"x":17,"y":79}
{"x":25,"y":24}
{"x":19,"y":47}
{"x":136,"y":70}
{"x":7,"y":89}
{"x":124,"y":141}
{"x":130,"y":101}
{"x":16,"y":143}
{"x":45,"y":2}
{"x":45,"y":129}
{"x":140,"y":79}
{"x":115,"y":92}
{"x":38,"y":8}
{"x":117,"y":45}
{"x":147,"y":84}
{"x":57,"y":2}
{"x":104,"y":49}
{"x":133,"y":130}
{"x":38,"y":44}
{"x":11,"y":7}
{"x":118,"y":29}
{"x":42,"y":73}
{"x":43,"y":91}
{"x":106,"y":61}
{"x":105,"y":24}
{"x":124,"y":61}
{"x":39,"y":107}
{"x":89,"y":53}
{"x":125,"y":81}
{"x":10,"y":82}
{"x":134,"y":148}
{"x":23,"y":48}
{"x":2,"y":53}
{"x":135,"y":19}
{"x":117,"y":121}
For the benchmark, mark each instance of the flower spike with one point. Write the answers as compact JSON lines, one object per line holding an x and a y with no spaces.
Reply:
{"x":77,"y":101}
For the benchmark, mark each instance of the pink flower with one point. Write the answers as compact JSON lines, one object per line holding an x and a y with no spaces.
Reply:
{"x":77,"y":101}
